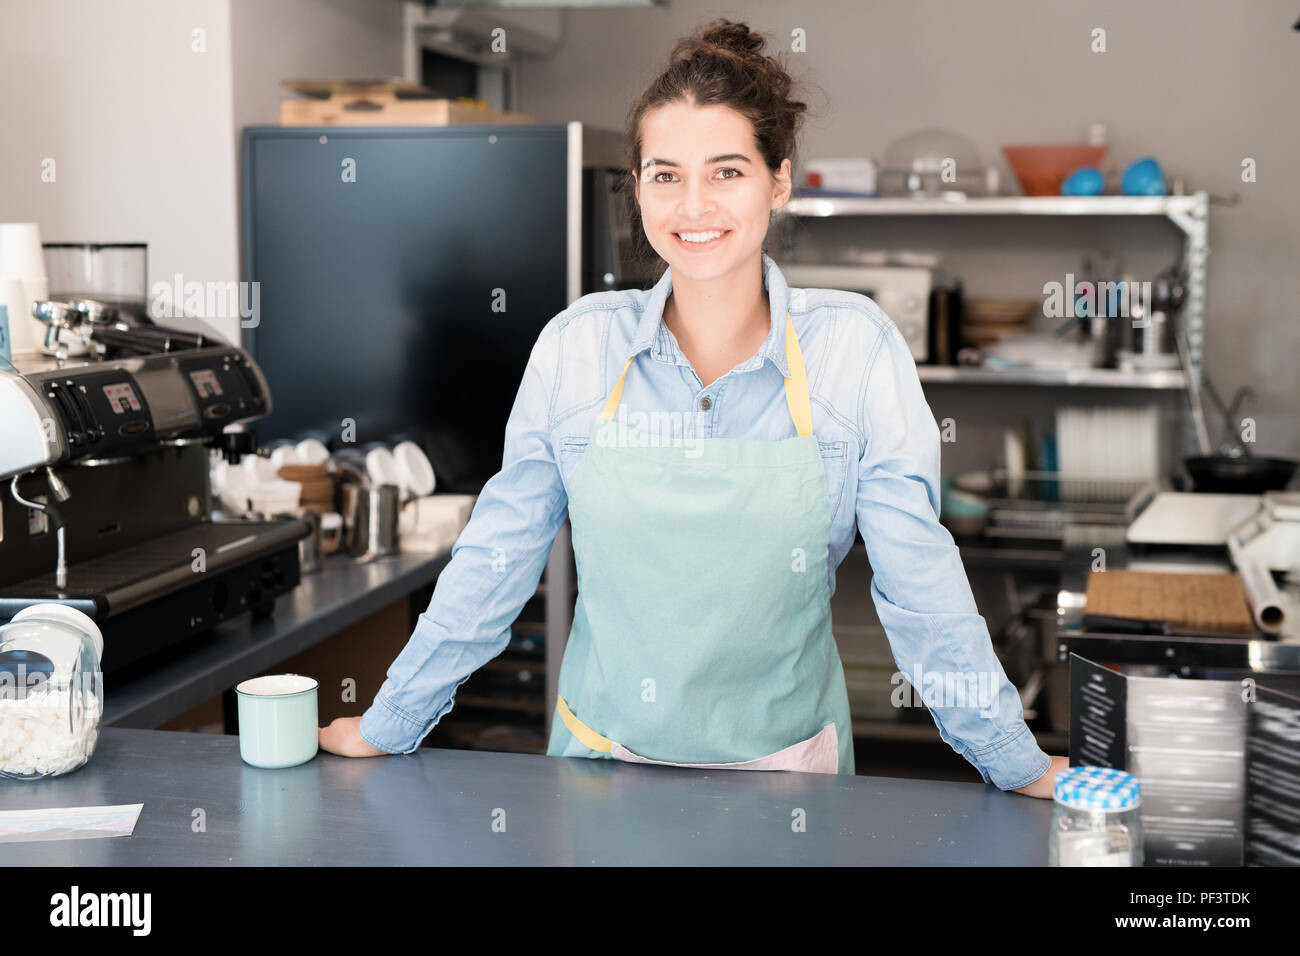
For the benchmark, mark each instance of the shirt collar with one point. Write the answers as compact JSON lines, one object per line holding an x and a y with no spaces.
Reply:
{"x":651,"y":333}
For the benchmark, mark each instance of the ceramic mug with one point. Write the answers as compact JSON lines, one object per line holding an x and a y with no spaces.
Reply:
{"x":277,"y":720}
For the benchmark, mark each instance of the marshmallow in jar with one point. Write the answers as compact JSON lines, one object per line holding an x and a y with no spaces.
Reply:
{"x":51,"y":691}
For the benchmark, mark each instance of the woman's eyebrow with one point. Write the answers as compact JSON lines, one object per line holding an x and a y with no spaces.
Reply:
{"x":726,"y":157}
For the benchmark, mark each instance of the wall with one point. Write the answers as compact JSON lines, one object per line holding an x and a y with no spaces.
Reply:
{"x":144,"y":131}
{"x":136,"y":121}
{"x":1197,"y":83}
{"x":306,"y":39}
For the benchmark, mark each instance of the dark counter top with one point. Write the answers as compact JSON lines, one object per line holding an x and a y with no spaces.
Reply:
{"x":343,"y":592}
{"x":438,"y":807}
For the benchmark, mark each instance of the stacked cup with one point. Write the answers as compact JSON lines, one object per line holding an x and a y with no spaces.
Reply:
{"x":23,"y":280}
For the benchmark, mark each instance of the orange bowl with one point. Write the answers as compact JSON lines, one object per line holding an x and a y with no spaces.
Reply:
{"x":1042,"y":169}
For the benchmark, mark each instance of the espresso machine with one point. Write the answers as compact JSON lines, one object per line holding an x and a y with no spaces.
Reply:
{"x":105,"y":502}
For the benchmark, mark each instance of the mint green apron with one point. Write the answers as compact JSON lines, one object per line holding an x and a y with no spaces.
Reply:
{"x":702,"y":630}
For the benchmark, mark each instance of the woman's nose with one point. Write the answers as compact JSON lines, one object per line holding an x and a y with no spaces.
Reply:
{"x":696,"y":201}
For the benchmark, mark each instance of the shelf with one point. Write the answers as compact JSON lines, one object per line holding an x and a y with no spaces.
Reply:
{"x":1089,"y":377}
{"x":1171,"y":206}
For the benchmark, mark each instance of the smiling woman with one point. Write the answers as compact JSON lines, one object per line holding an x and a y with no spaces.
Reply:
{"x":716,"y":443}
{"x":712,"y":140}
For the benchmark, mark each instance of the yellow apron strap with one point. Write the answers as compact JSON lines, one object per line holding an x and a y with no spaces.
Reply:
{"x":796,"y":387}
{"x":796,"y":383}
{"x":616,"y":395}
{"x":586,"y":736}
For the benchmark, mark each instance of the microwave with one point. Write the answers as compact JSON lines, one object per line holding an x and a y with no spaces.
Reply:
{"x":903,"y":292}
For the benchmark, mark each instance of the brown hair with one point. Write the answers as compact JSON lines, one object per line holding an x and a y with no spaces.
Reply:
{"x":723,"y":64}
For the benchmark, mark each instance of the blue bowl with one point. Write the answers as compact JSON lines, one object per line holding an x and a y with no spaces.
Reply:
{"x":1084,"y":181}
{"x":1143,"y":178}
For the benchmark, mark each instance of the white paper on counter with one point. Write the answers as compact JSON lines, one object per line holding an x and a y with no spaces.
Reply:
{"x":68,"y":823}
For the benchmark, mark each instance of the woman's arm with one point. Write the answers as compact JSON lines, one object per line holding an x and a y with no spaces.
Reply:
{"x":940,"y":642}
{"x":494,"y":569}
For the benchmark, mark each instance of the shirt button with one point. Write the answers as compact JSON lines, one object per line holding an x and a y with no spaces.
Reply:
{"x":706,"y":403}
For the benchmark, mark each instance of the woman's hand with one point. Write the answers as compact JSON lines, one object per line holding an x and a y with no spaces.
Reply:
{"x":343,"y":737}
{"x":1042,"y":787}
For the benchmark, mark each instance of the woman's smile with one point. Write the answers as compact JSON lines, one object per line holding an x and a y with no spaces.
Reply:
{"x":701,"y":241}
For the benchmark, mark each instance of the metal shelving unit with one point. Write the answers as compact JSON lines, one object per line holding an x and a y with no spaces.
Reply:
{"x":1090,"y":377}
{"x":1189,"y":214}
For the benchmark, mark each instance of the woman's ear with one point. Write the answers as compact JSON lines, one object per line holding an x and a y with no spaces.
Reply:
{"x":781,"y":185}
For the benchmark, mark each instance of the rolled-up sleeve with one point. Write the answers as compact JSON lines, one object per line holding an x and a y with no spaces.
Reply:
{"x":494,"y":569}
{"x":939,"y":641}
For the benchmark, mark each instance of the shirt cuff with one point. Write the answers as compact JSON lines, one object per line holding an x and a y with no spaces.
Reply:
{"x":388,"y":727}
{"x":1013,"y":762}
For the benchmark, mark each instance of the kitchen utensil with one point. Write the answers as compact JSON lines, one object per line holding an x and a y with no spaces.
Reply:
{"x":316,"y":481}
{"x":275,"y":497}
{"x":1143,"y":178}
{"x":331,"y":532}
{"x":383,"y":537}
{"x":931,"y":163}
{"x":1189,"y":519}
{"x":1210,"y":601}
{"x":414,"y":469}
{"x":313,"y":451}
{"x":21,"y":256}
{"x":1234,"y":470}
{"x":1037,"y":350}
{"x":1248,"y":475}
{"x":382,"y":466}
{"x":282,"y":455}
{"x":1096,"y":818}
{"x":50,"y":710}
{"x":1085,"y":181}
{"x":1041,"y":169}
{"x":963,"y":513}
{"x":354,"y":499}
{"x":25,"y":332}
{"x":278,"y":720}
{"x":117,"y":270}
{"x":309,"y":548}
{"x":259,"y":468}
{"x":1018,"y":311}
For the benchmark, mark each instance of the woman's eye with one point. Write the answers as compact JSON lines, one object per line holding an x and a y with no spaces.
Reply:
{"x":725,"y":169}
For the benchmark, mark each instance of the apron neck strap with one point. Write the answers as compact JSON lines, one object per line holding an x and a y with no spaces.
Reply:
{"x":796,"y":384}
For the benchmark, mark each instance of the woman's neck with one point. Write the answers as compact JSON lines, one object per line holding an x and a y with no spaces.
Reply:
{"x":719,"y":323}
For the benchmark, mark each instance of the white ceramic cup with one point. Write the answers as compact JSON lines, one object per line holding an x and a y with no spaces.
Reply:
{"x":21,"y":255}
{"x":278,"y":720}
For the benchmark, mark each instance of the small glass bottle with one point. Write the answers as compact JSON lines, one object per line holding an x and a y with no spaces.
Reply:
{"x":1097,"y":818}
{"x":51,"y":691}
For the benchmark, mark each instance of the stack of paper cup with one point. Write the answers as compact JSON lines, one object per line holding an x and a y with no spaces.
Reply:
{"x":23,"y":281}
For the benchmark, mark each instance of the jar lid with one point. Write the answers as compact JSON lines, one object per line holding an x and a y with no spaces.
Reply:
{"x":1097,"y":788}
{"x":65,"y":614}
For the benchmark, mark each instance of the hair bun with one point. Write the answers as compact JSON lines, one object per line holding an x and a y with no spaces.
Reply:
{"x":730,"y":37}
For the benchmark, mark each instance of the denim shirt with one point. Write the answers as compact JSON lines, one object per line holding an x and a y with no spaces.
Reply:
{"x":880,"y":445}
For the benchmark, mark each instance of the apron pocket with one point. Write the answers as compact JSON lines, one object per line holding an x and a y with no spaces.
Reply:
{"x":820,"y":753}
{"x":836,"y":461}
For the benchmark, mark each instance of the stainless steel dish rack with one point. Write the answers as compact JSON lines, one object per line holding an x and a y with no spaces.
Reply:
{"x":1040,"y":504}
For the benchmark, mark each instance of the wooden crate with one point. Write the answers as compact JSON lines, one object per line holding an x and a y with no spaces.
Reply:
{"x":378,"y":103}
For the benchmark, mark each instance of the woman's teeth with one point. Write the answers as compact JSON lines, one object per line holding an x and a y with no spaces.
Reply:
{"x":700,"y":236}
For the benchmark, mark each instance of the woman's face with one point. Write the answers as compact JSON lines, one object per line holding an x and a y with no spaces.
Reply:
{"x":701,"y":172}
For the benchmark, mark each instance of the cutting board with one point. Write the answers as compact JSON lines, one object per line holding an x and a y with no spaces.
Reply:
{"x":1210,"y":602}
{"x":1188,"y":517}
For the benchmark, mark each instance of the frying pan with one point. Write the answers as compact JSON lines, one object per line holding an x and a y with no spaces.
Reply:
{"x":1234,"y":470}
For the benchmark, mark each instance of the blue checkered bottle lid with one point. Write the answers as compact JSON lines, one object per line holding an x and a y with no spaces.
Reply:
{"x":1097,"y":788}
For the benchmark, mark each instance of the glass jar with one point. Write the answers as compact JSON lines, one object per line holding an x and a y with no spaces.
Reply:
{"x":1097,"y":818}
{"x":51,"y":691}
